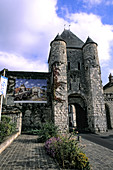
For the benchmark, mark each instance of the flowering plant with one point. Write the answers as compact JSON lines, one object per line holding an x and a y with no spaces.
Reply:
{"x":66,"y":151}
{"x":51,"y":146}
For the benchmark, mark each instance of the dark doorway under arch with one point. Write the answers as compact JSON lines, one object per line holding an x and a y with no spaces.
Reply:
{"x":108,"y":118}
{"x":79,"y":115}
{"x":78,"y":112}
{"x":81,"y":118}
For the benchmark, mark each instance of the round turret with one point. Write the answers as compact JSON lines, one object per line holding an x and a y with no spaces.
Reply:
{"x":58,"y":51}
{"x":58,"y":69}
{"x":90,"y":53}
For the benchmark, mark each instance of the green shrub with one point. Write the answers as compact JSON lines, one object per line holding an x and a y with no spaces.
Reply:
{"x":66,"y":151}
{"x":48,"y":130}
{"x":6,"y":127}
{"x":5,"y":119}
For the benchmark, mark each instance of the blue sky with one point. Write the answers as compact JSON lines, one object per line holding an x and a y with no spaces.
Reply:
{"x":28,"y":26}
{"x":29,"y":83}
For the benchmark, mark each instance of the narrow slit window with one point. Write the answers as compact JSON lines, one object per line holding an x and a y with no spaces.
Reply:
{"x":68,"y":65}
{"x":70,"y":86}
{"x":79,"y":86}
{"x":78,"y":65}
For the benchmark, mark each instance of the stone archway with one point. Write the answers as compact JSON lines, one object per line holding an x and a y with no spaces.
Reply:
{"x":108,"y":118}
{"x":77,"y":113}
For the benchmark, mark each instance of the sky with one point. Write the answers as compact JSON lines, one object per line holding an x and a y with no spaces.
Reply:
{"x":28,"y":26}
{"x":29,"y":83}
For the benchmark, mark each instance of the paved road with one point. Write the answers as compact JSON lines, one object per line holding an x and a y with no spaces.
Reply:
{"x":105,"y":139}
{"x":26,"y":154}
{"x":99,"y":150}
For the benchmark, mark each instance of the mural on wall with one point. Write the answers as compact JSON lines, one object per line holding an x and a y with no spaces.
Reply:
{"x":30,"y":90}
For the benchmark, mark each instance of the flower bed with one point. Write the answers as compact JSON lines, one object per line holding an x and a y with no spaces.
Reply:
{"x":66,"y":151}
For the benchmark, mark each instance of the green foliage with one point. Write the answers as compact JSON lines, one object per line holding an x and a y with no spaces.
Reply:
{"x":31,"y":131}
{"x":66,"y":151}
{"x":6,"y":127}
{"x":47,"y":131}
{"x":5,"y":119}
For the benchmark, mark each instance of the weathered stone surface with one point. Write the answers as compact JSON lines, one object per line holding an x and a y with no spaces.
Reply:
{"x":74,"y":88}
{"x":83,"y":78}
{"x":16,"y":117}
{"x":58,"y":66}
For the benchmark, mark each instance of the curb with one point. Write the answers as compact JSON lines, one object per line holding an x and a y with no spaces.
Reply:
{"x":7,"y":142}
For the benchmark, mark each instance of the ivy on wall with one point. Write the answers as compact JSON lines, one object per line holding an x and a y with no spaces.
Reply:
{"x":57,"y":84}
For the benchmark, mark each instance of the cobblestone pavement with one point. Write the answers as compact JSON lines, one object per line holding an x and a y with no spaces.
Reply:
{"x":100,"y":158}
{"x":26,"y":154}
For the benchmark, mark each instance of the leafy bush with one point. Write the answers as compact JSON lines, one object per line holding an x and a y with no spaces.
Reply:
{"x":66,"y":151}
{"x":6,"y":127}
{"x":47,"y":131}
{"x":5,"y":119}
{"x":31,"y":131}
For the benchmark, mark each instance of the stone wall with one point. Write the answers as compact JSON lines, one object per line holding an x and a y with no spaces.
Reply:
{"x":58,"y":66}
{"x":33,"y":114}
{"x":75,"y":73}
{"x":74,"y":78}
{"x":94,"y":90}
{"x":16,"y":117}
{"x":109,"y":105}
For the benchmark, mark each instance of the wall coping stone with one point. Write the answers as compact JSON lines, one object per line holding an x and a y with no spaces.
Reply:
{"x":8,"y":141}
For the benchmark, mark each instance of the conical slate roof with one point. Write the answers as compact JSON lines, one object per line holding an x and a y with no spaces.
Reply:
{"x":89,"y":40}
{"x":58,"y":38}
{"x":71,"y":40}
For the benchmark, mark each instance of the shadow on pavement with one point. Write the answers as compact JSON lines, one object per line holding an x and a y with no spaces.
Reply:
{"x":105,"y":140}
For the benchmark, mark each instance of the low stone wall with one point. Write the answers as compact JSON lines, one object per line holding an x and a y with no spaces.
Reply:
{"x":33,"y":115}
{"x":16,"y":117}
{"x":8,"y":141}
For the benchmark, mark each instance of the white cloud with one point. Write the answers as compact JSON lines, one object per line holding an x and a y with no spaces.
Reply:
{"x":28,"y":27}
{"x":16,"y":62}
{"x":109,"y":2}
{"x":92,"y":2}
{"x":26,"y":24}
{"x":85,"y":25}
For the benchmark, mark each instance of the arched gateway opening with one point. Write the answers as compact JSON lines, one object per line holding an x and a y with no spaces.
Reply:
{"x":77,"y":113}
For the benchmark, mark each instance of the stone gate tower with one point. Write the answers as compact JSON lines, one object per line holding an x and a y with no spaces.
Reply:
{"x":94,"y":91}
{"x":58,"y":69}
{"x":76,"y":84}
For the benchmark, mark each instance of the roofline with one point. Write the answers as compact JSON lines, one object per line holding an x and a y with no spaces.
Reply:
{"x":27,"y":74}
{"x":107,"y":85}
{"x":89,"y":43}
{"x":80,"y":48}
{"x":74,"y":48}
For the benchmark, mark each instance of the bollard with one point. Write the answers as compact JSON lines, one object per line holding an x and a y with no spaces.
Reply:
{"x":79,"y":138}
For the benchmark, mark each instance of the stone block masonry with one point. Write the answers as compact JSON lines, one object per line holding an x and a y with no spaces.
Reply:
{"x":58,"y":65}
{"x":16,"y":117}
{"x":74,"y":88}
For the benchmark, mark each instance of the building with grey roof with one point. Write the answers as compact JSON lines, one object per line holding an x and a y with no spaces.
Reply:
{"x":75,"y":97}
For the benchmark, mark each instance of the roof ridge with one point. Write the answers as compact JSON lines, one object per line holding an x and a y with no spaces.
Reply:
{"x":71,"y":39}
